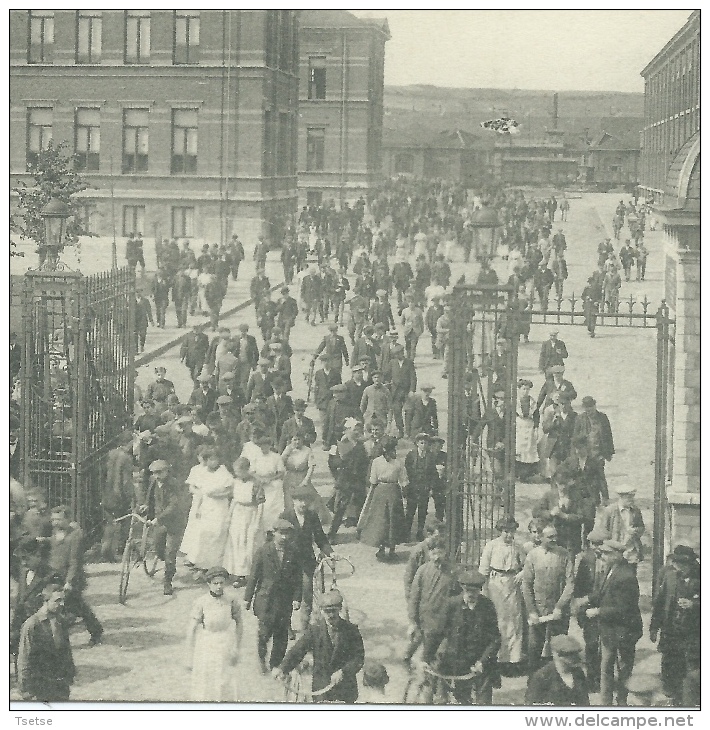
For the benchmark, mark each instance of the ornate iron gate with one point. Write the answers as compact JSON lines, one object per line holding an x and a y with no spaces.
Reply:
{"x":482,"y":371}
{"x":76,"y":382}
{"x":482,"y":358}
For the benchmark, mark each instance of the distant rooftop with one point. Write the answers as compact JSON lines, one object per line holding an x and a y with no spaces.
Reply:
{"x":340,"y":19}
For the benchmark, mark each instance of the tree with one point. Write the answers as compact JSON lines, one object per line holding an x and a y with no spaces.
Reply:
{"x":54,"y":178}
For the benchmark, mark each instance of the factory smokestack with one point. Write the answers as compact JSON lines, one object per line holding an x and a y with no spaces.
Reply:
{"x":555,"y":110}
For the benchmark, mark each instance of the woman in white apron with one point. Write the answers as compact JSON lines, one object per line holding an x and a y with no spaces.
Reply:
{"x":268,"y":470}
{"x":526,"y":456}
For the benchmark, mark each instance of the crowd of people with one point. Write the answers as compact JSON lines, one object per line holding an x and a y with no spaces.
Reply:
{"x":226,"y":478}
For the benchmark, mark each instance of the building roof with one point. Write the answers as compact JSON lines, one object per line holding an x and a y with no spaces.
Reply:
{"x":340,"y":19}
{"x":618,"y":133}
{"x":419,"y":136}
{"x":691,"y":27}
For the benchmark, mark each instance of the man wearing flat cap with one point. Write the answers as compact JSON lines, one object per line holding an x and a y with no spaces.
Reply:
{"x":560,"y":683}
{"x":376,"y":400}
{"x":423,"y":414}
{"x":402,"y":380}
{"x":204,"y":396}
{"x":333,"y":345}
{"x":323,"y":380}
{"x":165,"y":503}
{"x":299,"y":422}
{"x":471,"y":642}
{"x":676,"y":616}
{"x":259,"y":381}
{"x":365,"y":347}
{"x":193,"y":350}
{"x":421,"y":470}
{"x":624,"y":522}
{"x":589,"y":575}
{"x":593,"y":430}
{"x":288,"y":311}
{"x":161,"y":387}
{"x":337,"y":649}
{"x":339,"y":409}
{"x":553,"y":352}
{"x":615,"y":605}
{"x":274,"y":588}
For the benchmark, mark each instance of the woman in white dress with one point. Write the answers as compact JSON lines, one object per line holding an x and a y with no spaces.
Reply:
{"x":246,"y":531}
{"x":216,"y":490}
{"x":267,"y":470}
{"x":190,"y":538}
{"x":213,"y":642}
{"x":526,"y":456}
{"x":502,"y":562}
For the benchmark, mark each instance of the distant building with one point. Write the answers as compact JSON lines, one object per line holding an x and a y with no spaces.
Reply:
{"x":341,"y":105}
{"x":183,"y":121}
{"x":451,"y":155}
{"x":519,"y":161}
{"x":672,"y":104}
{"x":670,"y":176}
{"x":612,"y":158}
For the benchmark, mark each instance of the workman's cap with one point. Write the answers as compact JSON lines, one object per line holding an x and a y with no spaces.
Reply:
{"x":299,"y":404}
{"x":224,"y":400}
{"x":229,"y":375}
{"x":204,"y":378}
{"x":556,"y":369}
{"x":427,"y":388}
{"x":421,"y":437}
{"x":159,"y":465}
{"x":565,"y":645}
{"x":588,"y":401}
{"x":374,"y":674}
{"x":470,"y":577}
{"x":625,"y":489}
{"x":612,"y":546}
{"x":282,"y":525}
{"x":160,"y":369}
{"x":216,"y":572}
{"x":332,"y":599}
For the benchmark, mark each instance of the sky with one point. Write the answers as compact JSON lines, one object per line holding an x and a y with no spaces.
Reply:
{"x":596,"y":50}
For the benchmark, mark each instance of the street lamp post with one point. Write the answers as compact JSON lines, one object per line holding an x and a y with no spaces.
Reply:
{"x":486,"y":222}
{"x":54,"y":215}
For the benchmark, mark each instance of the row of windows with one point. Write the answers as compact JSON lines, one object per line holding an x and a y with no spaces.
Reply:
{"x":278,"y":148}
{"x":135,"y":148}
{"x":181,"y":221}
{"x":281,"y":42}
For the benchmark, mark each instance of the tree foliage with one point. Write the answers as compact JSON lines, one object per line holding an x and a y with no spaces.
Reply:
{"x":53,"y":177}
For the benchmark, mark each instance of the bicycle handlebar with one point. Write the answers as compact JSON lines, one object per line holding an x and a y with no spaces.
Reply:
{"x":333,"y":558}
{"x":138,"y":516}
{"x":451,"y":678}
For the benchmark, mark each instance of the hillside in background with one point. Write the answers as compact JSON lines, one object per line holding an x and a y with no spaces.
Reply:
{"x":411,"y":109}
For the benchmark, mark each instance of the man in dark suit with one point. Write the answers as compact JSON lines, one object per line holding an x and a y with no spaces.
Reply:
{"x":402,"y":380}
{"x":421,"y":471}
{"x":558,"y":421}
{"x":307,"y":532}
{"x":471,"y":642}
{"x":365,"y":347}
{"x":338,"y":653}
{"x":589,"y":574}
{"x":553,"y":352}
{"x":280,"y":407}
{"x":66,"y":559}
{"x":676,"y":614}
{"x":275,"y":588}
{"x":144,"y":315}
{"x":560,"y":683}
{"x":193,"y":351}
{"x":592,"y":428}
{"x":204,"y":396}
{"x":323,"y":380}
{"x":247,"y":349}
{"x":356,"y":385}
{"x":616,"y":607}
{"x":298,"y":423}
{"x":554,"y":383}
{"x":334,"y":346}
{"x":45,"y":666}
{"x":35,"y":575}
{"x":423,"y":416}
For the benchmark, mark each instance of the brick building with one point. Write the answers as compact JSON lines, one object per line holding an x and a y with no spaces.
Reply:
{"x":671,"y":104}
{"x":670,"y":175}
{"x":184,"y":122}
{"x":341,"y":104}
{"x":520,"y":161}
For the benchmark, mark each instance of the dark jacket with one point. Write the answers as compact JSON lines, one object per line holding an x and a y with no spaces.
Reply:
{"x":421,"y":470}
{"x":305,"y":536}
{"x":582,"y":427}
{"x":273,"y":584}
{"x":673,"y":622}
{"x":193,"y":350}
{"x":144,"y":314}
{"x":291,"y":428}
{"x":323,"y":382}
{"x":347,"y":653}
{"x":335,"y":348}
{"x":618,"y":603}
{"x":42,"y":666}
{"x":547,"y":688}
{"x":552,"y":354}
{"x":349,"y":466}
{"x":424,"y":417}
{"x":252,"y":349}
{"x":401,"y":377}
{"x":471,"y":636}
{"x":29,"y":599}
{"x":204,"y":400}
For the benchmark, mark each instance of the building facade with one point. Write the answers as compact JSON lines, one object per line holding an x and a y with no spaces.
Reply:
{"x":341,"y":105}
{"x":449,"y":155}
{"x":545,"y":162}
{"x":671,"y":104}
{"x":183,"y":122}
{"x":612,"y":158}
{"x":670,"y":176}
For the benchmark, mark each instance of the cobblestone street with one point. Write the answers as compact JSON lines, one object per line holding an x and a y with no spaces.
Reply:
{"x":142,"y":657}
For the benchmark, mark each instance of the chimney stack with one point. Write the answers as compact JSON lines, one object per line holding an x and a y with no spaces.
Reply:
{"x":555,"y":106}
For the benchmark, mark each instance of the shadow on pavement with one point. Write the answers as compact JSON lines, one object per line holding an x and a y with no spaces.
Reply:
{"x":142,"y":640}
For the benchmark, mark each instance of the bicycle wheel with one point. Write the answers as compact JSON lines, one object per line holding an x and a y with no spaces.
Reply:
{"x":149,"y":554}
{"x":129,"y":559}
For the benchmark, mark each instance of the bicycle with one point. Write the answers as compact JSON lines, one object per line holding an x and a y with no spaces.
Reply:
{"x":138,"y":550}
{"x":298,"y":685}
{"x":319,"y":581}
{"x":426,"y":686}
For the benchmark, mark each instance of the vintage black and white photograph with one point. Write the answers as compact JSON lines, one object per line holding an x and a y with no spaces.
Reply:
{"x":355,"y":359}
